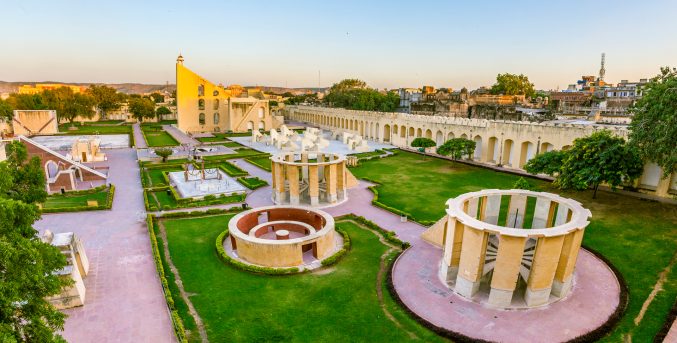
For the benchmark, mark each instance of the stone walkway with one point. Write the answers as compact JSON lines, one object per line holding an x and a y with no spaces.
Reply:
{"x":124,"y":300}
{"x":181,"y":137}
{"x":139,"y":140}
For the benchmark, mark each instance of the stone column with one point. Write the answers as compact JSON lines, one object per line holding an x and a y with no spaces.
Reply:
{"x":331,"y":183}
{"x":541,"y":213}
{"x":274,"y":183}
{"x":341,"y":180}
{"x":471,"y":264}
{"x":320,"y":159}
{"x":293,"y":179}
{"x":506,"y":270}
{"x":492,"y":209}
{"x":516,"y":209}
{"x":313,"y":185}
{"x":279,"y":182}
{"x":543,"y":267}
{"x":471,"y":207}
{"x":304,"y":169}
{"x":452,"y":240}
{"x":567,"y":262}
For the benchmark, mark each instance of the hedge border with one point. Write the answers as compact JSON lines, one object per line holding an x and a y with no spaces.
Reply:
{"x":250,"y":161}
{"x":592,"y":336}
{"x":396,"y":211}
{"x":388,"y":235}
{"x":258,"y":183}
{"x":189,"y":202}
{"x":107,"y":206}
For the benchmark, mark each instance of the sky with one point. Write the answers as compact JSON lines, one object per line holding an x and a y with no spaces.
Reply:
{"x":388,"y":44}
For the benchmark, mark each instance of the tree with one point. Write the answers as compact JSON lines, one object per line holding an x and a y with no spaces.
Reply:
{"x":69,"y":105}
{"x":356,"y":95}
{"x":141,"y":108}
{"x":549,"y":163}
{"x":512,"y":84}
{"x":457,"y":148}
{"x":162,"y":110}
{"x":27,"y":101}
{"x":599,"y":158}
{"x":6,"y":111}
{"x":422,"y":143}
{"x":521,"y":183}
{"x":164,"y":153}
{"x":26,"y":178}
{"x":653,"y":130}
{"x":157,"y":97}
{"x":105,"y":98}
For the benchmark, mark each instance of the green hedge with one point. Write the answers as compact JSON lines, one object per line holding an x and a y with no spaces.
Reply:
{"x":189,"y":202}
{"x":248,"y":267}
{"x":331,"y":260}
{"x":107,"y":206}
{"x":252,"y":161}
{"x":211,"y":211}
{"x":179,"y":330}
{"x":252,"y":182}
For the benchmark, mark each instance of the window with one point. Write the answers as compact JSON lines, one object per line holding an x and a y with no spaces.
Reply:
{"x":216,"y":93}
{"x":216,"y":118}
{"x":202,"y":118}
{"x":201,"y":90}
{"x":216,"y":104}
{"x":201,"y":104}
{"x":261,"y":112}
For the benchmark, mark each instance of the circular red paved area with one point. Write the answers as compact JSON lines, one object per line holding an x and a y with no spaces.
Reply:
{"x":594,"y":297}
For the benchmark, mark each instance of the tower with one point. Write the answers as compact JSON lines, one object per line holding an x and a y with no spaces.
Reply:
{"x":602,"y":71}
{"x":179,"y":60}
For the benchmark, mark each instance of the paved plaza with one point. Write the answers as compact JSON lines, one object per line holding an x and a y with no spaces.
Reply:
{"x":335,"y":146}
{"x":66,"y":142}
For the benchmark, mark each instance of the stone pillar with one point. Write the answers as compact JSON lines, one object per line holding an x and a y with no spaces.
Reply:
{"x":279,"y":182}
{"x":304,"y":169}
{"x":516,"y":209}
{"x":551,"y":214}
{"x":471,"y":264}
{"x":320,"y":159}
{"x":506,"y":270}
{"x":567,"y":263}
{"x":331,"y":183}
{"x":452,"y":240}
{"x":274,"y":183}
{"x":543,"y":267}
{"x":541,"y":213}
{"x":563,"y":215}
{"x":493,"y":209}
{"x":341,"y":180}
{"x":293,"y":179}
{"x":471,"y":207}
{"x":313,"y":185}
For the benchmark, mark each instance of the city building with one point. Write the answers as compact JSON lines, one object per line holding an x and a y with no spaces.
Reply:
{"x":40,"y":87}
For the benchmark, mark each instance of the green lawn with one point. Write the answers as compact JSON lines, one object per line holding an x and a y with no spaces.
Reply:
{"x":93,"y":128}
{"x":236,"y":306}
{"x":232,"y":144}
{"x":376,"y":152}
{"x":252,"y":182}
{"x":69,"y":201}
{"x":156,"y":177}
{"x":164,"y":200}
{"x":639,"y":237}
{"x":157,"y":137}
{"x":262,"y":162}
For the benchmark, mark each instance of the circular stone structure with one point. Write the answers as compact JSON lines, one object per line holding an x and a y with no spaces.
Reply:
{"x":530,"y":247}
{"x":505,"y":272}
{"x":282,"y":236}
{"x":300,"y":179}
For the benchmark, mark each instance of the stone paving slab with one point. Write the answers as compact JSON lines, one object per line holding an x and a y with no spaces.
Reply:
{"x":124,"y":301}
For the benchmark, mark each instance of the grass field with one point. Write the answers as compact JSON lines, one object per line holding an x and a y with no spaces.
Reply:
{"x":639,"y":237}
{"x":262,"y":162}
{"x":235,"y":306}
{"x":95,"y":128}
{"x":67,"y":201}
{"x":157,"y":137}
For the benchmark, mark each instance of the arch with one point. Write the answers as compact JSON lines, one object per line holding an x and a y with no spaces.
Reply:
{"x":396,"y":129}
{"x":361,"y":128}
{"x":478,"y":148}
{"x":250,"y":125}
{"x":507,"y":156}
{"x":493,"y":150}
{"x":216,"y":118}
{"x":201,"y":90}
{"x":201,"y":104}
{"x":545,"y":147}
{"x":419,"y":132}
{"x":262,"y":125}
{"x":528,"y":151}
{"x":450,"y":135}
{"x":376,"y":132}
{"x":439,"y":138}
{"x":262,"y":112}
{"x":403,"y":131}
{"x":201,"y":118}
{"x":215,"y":93}
{"x":411,"y":132}
{"x":216,"y":104}
{"x":51,"y":169}
{"x":464,"y":136}
{"x":566,"y":147}
{"x":428,"y":134}
{"x":386,"y":133}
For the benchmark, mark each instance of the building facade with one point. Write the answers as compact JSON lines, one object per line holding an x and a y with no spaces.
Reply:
{"x":203,"y":106}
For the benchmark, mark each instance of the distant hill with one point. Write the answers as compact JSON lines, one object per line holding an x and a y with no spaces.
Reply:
{"x":140,"y":88}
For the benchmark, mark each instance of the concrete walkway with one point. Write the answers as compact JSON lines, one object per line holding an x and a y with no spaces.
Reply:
{"x":181,"y":137}
{"x":124,"y":300}
{"x":139,"y":140}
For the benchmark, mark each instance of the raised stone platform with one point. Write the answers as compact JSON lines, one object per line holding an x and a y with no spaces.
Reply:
{"x":66,"y":142}
{"x":216,"y":183}
{"x":594,"y":297}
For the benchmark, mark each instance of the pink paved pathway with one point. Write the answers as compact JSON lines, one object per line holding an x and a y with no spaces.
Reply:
{"x":124,"y":301}
{"x":181,"y":137}
{"x":139,"y":140}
